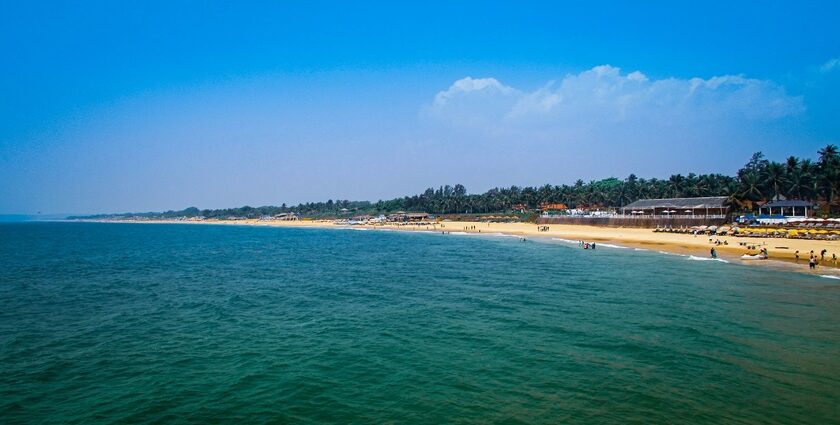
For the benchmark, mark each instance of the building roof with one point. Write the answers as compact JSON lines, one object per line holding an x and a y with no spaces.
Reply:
{"x":554,"y":206}
{"x":706,"y":202}
{"x":788,"y":203}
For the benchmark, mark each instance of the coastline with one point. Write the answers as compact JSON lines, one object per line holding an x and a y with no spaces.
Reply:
{"x":781,"y":251}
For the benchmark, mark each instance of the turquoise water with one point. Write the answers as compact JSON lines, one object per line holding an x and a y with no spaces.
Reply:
{"x":130,"y":323}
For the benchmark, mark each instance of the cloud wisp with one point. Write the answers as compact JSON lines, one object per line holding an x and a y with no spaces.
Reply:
{"x":830,"y":65}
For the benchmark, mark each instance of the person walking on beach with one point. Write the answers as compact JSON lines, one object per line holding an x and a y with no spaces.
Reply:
{"x":822,"y":254}
{"x":714,"y":253}
{"x":796,"y":255}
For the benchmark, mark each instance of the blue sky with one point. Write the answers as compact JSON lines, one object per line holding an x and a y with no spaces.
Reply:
{"x":113,"y":107}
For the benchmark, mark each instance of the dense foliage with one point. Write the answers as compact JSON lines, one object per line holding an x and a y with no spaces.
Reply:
{"x":759,"y":180}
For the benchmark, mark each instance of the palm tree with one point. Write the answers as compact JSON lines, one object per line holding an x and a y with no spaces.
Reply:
{"x":829,"y":154}
{"x":750,"y":187}
{"x":676,"y":185}
{"x":829,"y":174}
{"x":800,"y":184}
{"x":775,"y":176}
{"x":792,"y":163}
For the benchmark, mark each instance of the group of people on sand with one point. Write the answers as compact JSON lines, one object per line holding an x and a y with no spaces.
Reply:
{"x":586,"y":245}
{"x":813,"y":261}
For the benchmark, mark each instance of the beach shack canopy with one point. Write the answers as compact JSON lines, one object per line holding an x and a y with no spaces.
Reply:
{"x":787,"y":208}
{"x":787,"y":203}
{"x":713,"y":204}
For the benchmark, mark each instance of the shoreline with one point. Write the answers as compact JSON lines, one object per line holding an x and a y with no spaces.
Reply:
{"x":781,"y":251}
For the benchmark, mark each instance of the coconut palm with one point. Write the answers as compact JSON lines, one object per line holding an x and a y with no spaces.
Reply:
{"x":775,"y":177}
{"x":750,"y":186}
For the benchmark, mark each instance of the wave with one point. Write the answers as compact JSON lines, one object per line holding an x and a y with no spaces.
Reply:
{"x":609,"y":245}
{"x":671,"y":253}
{"x":830,"y":276}
{"x":501,"y":235}
{"x":565,"y":240}
{"x":695,"y":258}
{"x":640,"y":249}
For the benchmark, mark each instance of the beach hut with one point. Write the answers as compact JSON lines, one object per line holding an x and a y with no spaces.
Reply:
{"x":788,"y":208}
{"x":711,"y":206}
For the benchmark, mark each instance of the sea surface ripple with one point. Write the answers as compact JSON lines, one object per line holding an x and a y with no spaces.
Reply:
{"x":130,"y":323}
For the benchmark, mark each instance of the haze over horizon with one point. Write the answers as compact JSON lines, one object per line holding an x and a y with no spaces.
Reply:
{"x":116,"y":108}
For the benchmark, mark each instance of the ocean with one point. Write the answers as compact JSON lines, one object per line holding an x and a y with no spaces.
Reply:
{"x":165,"y":323}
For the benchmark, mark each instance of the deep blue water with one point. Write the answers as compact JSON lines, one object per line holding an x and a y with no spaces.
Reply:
{"x":145,"y":323}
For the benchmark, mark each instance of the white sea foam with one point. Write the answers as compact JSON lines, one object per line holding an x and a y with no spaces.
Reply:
{"x":695,"y":258}
{"x":671,"y":253}
{"x":565,"y":240}
{"x":639,"y":249}
{"x":500,"y":235}
{"x":608,"y":245}
{"x":830,"y":276}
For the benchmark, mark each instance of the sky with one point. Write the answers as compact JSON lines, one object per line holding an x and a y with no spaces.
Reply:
{"x":149,"y":106}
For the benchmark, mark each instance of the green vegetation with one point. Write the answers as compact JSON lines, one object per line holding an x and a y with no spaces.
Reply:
{"x":759,"y":180}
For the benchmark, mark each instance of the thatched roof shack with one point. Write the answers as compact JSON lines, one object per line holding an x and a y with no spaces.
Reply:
{"x":703,"y":206}
{"x":416,"y":217}
{"x":553,"y":207}
{"x":402,"y":216}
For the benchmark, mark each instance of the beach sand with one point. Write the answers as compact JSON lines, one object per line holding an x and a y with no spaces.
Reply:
{"x":779,"y":249}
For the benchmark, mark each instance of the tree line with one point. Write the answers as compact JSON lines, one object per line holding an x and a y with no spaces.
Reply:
{"x":759,"y":180}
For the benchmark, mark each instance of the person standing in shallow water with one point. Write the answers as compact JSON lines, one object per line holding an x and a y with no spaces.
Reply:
{"x":714,"y":253}
{"x":812,"y":263}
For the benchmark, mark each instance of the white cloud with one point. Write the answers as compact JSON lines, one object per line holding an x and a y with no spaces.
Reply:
{"x":830,"y":65}
{"x":604,"y":95}
{"x":469,"y":85}
{"x":604,"y":118}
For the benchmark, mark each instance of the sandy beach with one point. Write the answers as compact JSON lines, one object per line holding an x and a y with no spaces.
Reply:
{"x":779,"y":249}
